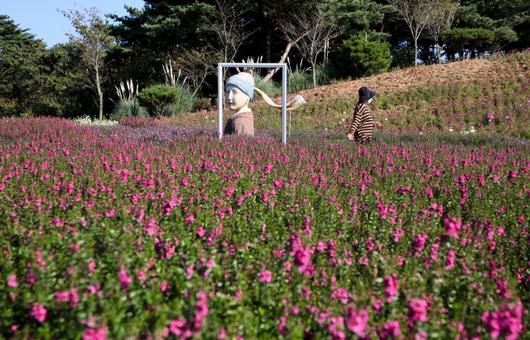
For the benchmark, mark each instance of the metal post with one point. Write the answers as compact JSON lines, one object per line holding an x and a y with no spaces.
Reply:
{"x":284,"y":104}
{"x":220,"y":99}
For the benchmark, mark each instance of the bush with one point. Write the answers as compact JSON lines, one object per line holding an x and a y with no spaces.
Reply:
{"x":299,"y":80}
{"x":359,"y":56}
{"x":269,"y":87}
{"x":166,"y":100}
{"x":128,"y":108}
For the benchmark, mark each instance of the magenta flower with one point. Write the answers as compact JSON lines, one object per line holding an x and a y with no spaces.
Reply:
{"x":418,"y":243}
{"x":390,"y":287}
{"x":302,"y":259}
{"x":265,"y":276}
{"x":189,"y":219}
{"x":38,"y":312}
{"x":418,"y":310}
{"x":505,"y":322}
{"x":369,"y":245}
{"x":61,"y":296}
{"x":452,"y":226}
{"x":450,"y":259}
{"x":357,"y":321}
{"x":12,"y":280}
{"x":125,"y":280}
{"x":390,"y":330}
{"x":95,"y":333}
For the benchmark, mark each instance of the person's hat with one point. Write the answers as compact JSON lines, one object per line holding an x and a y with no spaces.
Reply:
{"x":243,"y":81}
{"x":365,"y":94}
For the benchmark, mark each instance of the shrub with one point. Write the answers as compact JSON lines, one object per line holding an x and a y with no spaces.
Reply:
{"x":269,"y":87}
{"x":128,"y":108}
{"x":166,"y":100}
{"x":299,"y":80}
{"x":359,"y":56}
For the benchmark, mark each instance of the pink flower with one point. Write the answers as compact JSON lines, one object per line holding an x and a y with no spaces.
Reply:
{"x":357,"y":321}
{"x":418,"y":310}
{"x":125,"y":280}
{"x":265,"y":276}
{"x":302,"y":259}
{"x":369,"y":245}
{"x":340,"y":294}
{"x":61,"y":296}
{"x":418,"y":243}
{"x":505,"y":322}
{"x":12,"y":280}
{"x":95,"y":333}
{"x":92,"y":266}
{"x":267,"y":168}
{"x":390,"y":330}
{"x":363,"y":260}
{"x":73,"y":297}
{"x":397,"y":234}
{"x":189,"y":219}
{"x":163,"y":286}
{"x":452,"y":226}
{"x":200,"y":232}
{"x":38,"y":312}
{"x":450,"y":259}
{"x":390,"y":287}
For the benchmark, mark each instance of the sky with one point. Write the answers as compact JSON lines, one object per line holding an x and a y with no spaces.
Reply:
{"x":43,"y":19}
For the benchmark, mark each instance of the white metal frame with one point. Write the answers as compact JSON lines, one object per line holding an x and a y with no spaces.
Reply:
{"x":220,"y":91}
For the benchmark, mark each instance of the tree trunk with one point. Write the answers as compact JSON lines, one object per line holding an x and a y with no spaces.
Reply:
{"x":282,"y":60}
{"x":439,"y":53}
{"x":268,"y":46}
{"x":415,"y":51}
{"x":314,"y":69}
{"x":100,"y":95}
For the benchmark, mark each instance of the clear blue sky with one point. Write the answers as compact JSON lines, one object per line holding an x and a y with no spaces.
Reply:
{"x":42,"y":18}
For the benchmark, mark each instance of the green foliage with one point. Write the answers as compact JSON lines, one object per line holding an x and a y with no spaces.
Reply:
{"x":21,"y":70}
{"x":269,"y":87}
{"x":362,"y":57}
{"x":503,"y":36}
{"x":460,"y":39}
{"x":164,"y":100}
{"x":128,"y":108}
{"x":299,"y":80}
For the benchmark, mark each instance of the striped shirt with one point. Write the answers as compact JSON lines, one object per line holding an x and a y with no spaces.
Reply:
{"x":362,"y":124}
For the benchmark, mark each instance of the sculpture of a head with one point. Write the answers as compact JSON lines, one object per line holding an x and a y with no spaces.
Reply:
{"x":240,"y":89}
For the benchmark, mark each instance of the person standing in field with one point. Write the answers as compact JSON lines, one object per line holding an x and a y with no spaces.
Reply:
{"x":362,"y":125}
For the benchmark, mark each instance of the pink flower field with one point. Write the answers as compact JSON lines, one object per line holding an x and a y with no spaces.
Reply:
{"x":154,"y":232}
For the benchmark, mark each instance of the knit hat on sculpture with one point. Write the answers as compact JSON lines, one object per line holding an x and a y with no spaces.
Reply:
{"x":243,"y":81}
{"x":365,"y":94}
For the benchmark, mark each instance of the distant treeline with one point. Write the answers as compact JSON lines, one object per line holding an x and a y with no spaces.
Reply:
{"x":170,"y":49}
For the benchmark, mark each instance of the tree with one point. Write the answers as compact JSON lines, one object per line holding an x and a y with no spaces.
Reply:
{"x":322,"y":30}
{"x":22,"y":75}
{"x":442,"y":17}
{"x":416,"y":13}
{"x":230,"y":28}
{"x":361,"y":56}
{"x":294,"y":28}
{"x":93,"y":40}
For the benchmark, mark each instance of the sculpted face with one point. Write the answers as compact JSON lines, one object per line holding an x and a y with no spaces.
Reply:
{"x":237,"y":100}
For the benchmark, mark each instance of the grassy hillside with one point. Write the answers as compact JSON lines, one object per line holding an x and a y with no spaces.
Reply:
{"x":486,"y":95}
